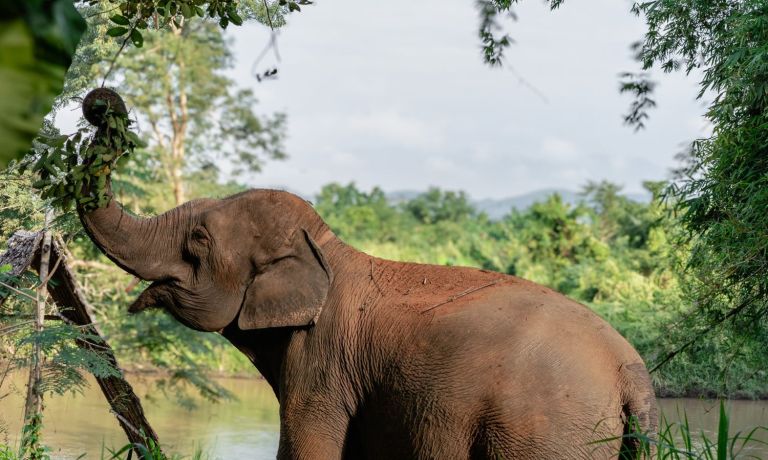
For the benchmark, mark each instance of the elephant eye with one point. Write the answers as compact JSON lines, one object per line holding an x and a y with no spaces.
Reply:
{"x":200,"y":234}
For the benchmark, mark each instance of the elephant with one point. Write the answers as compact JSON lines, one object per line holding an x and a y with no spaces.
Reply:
{"x":377,"y":359}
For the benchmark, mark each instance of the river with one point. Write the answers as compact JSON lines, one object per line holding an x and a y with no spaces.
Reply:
{"x":248,"y":427}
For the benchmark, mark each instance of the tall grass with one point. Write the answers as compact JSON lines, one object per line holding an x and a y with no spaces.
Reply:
{"x":151,"y":451}
{"x":676,"y":441}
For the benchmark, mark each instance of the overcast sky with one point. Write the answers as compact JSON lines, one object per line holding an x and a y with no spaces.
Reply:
{"x":395,"y":94}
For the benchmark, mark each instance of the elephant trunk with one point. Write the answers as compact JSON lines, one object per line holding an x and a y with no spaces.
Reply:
{"x":148,"y":248}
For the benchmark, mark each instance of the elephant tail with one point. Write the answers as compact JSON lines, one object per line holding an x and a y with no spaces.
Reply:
{"x":639,"y":413}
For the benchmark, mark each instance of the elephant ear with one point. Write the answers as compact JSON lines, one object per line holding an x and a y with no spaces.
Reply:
{"x":291,"y":291}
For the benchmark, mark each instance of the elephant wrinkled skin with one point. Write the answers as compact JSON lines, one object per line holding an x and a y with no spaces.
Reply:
{"x":371,"y":358}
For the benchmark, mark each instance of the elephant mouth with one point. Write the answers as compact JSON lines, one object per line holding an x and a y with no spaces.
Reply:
{"x":207,"y":313}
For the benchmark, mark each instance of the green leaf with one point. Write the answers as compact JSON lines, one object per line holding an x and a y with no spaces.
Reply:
{"x":120,"y":20}
{"x":137,"y":38}
{"x":236,"y":20}
{"x":5,"y":268}
{"x":36,"y":46}
{"x":186,"y":11}
{"x":722,"y":433}
{"x":134,"y":138}
{"x":117,"y":31}
{"x":54,"y":142}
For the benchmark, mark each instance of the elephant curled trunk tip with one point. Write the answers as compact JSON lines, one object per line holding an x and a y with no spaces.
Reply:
{"x":135,"y":244}
{"x":99,"y":102}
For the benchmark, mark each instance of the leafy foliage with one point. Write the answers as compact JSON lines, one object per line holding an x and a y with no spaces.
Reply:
{"x":37,"y":41}
{"x":31,"y":445}
{"x":490,"y":31}
{"x":65,"y":362}
{"x":192,"y":112}
{"x":74,"y":169}
{"x":130,"y":19}
{"x":722,"y":192}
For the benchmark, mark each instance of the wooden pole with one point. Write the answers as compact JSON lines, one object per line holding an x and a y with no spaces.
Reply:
{"x":34,"y":404}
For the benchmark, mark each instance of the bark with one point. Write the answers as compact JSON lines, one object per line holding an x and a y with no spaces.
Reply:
{"x":34,"y":404}
{"x":179,"y":116}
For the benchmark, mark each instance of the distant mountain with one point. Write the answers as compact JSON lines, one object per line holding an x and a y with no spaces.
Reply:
{"x":496,"y":208}
{"x":401,"y":196}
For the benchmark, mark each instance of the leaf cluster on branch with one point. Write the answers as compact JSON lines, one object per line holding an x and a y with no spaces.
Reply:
{"x":73,"y":169}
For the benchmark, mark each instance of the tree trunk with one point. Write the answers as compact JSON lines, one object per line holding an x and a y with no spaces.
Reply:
{"x":179,"y":122}
{"x":34,"y":403}
{"x":33,"y":408}
{"x":73,"y":307}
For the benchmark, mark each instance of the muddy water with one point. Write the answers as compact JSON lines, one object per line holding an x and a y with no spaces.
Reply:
{"x":73,"y":425}
{"x":248,"y":427}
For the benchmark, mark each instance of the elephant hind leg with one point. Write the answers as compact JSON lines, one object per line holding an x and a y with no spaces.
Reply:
{"x":639,"y":412}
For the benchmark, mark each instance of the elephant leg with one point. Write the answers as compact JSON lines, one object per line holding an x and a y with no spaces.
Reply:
{"x":313,"y":447}
{"x":311,"y":437}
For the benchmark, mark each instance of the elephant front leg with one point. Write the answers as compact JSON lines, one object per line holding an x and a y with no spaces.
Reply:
{"x":312,"y":437}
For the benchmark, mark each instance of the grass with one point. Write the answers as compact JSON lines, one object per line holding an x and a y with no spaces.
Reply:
{"x":675,"y":441}
{"x":151,"y":451}
{"x":127,"y":452}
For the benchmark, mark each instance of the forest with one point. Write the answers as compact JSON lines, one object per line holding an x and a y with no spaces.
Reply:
{"x":622,"y":258}
{"x":682,"y":275}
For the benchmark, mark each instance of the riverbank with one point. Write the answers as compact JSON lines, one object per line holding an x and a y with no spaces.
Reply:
{"x":662,"y":390}
{"x":248,"y":426}
{"x":665,"y":392}
{"x":706,"y":393}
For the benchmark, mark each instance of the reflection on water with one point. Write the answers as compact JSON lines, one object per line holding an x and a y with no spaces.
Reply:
{"x":248,"y":427}
{"x":703,"y":415}
{"x":73,"y":425}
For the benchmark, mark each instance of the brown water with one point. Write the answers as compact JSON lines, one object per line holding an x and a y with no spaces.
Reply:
{"x":248,"y":427}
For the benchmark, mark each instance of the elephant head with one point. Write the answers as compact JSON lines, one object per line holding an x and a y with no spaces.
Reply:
{"x":250,"y":258}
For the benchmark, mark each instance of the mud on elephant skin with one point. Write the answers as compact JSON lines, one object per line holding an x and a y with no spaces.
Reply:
{"x":371,"y":358}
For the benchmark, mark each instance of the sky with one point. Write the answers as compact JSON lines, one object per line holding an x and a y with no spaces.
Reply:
{"x":395,"y":94}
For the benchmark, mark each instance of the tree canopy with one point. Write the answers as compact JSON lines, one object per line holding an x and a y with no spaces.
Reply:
{"x":722,"y":191}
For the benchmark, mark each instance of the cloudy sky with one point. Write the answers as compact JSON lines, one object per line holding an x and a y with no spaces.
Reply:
{"x":395,"y":94}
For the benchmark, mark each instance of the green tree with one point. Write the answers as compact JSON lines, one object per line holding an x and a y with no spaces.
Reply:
{"x":722,"y":192}
{"x":356,"y":215}
{"x":437,"y":205}
{"x":177,"y":86}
